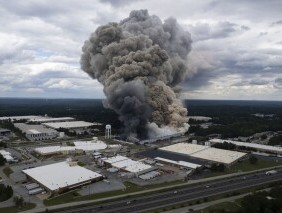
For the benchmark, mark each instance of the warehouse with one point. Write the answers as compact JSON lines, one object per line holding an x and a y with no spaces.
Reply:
{"x":89,"y":146}
{"x":79,"y":127}
{"x":36,"y":132}
{"x":259,"y":147}
{"x":128,"y":165}
{"x":205,"y":153}
{"x":61,"y":177}
{"x":53,"y":150}
{"x":184,"y":164}
{"x":49,"y":120}
{"x":8,"y":156}
{"x":18,"y":118}
{"x":5,"y":132}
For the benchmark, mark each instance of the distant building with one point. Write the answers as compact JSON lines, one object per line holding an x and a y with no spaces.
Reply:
{"x":8,"y":156}
{"x":36,"y":132}
{"x":19,"y":118}
{"x":258,"y":147}
{"x":5,"y":132}
{"x":49,"y":120}
{"x":78,"y":127}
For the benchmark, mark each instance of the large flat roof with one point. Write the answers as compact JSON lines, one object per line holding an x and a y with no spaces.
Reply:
{"x":205,"y":152}
{"x":179,"y":163}
{"x":90,"y":145}
{"x":127,"y":164}
{"x":53,"y":149}
{"x":60,"y":175}
{"x":137,"y":167}
{"x":44,"y":119}
{"x":219,"y":155}
{"x":33,"y":129}
{"x":69,"y":124}
{"x":184,"y":148}
{"x":115,"y":159}
{"x":24,"y":117}
{"x":252,"y":145}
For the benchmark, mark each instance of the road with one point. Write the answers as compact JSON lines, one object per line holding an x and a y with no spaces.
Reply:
{"x":178,"y":196}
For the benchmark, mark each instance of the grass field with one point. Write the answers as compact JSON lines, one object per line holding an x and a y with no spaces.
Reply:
{"x":16,"y":209}
{"x":226,"y":206}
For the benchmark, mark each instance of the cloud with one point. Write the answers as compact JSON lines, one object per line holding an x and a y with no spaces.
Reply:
{"x":203,"y":31}
{"x":236,"y":52}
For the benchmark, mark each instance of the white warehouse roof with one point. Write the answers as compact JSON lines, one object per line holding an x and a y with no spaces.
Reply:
{"x":127,"y":164}
{"x":53,"y":149}
{"x":60,"y":175}
{"x":90,"y":146}
{"x":6,"y":155}
{"x":25,"y":117}
{"x":34,"y":129}
{"x":252,"y":145}
{"x":137,"y":167}
{"x":205,"y":152}
{"x":115,"y":159}
{"x":184,"y":148}
{"x":219,"y":155}
{"x":44,"y":119}
{"x":179,"y":163}
{"x":69,"y":124}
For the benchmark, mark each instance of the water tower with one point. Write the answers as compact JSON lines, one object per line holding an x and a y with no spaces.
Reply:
{"x":108,"y":131}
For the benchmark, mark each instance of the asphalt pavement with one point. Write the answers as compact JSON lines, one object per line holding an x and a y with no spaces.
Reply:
{"x":177,"y":196}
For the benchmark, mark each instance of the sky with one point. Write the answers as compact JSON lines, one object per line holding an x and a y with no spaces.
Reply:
{"x":236,"y":50}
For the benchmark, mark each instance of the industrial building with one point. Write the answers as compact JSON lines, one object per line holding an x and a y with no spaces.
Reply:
{"x":90,"y":145}
{"x":19,"y":118}
{"x":49,"y":120}
{"x":183,"y":164}
{"x":78,"y":148}
{"x":8,"y":156}
{"x":5,"y":132}
{"x":36,"y":132}
{"x":61,"y":177}
{"x":54,"y":150}
{"x":258,"y":147}
{"x":78,"y":127}
{"x":207,"y":153}
{"x":127,"y":165}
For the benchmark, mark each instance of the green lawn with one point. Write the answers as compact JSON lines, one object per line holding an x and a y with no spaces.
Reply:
{"x":227,"y":206}
{"x":7,"y":171}
{"x":130,"y":187}
{"x":16,"y":209}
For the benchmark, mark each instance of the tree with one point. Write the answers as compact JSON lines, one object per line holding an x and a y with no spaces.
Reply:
{"x":19,"y":201}
{"x":253,"y":159}
{"x":5,"y":192}
{"x":2,"y":160}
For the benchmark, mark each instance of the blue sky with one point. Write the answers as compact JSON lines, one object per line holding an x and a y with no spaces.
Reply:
{"x":237,"y":46}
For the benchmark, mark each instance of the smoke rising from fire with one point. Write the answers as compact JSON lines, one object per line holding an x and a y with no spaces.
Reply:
{"x":140,"y":61}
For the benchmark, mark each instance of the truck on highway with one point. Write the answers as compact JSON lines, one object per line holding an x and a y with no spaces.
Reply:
{"x":271,"y":172}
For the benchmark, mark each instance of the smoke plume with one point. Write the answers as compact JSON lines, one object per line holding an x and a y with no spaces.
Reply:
{"x":140,"y":61}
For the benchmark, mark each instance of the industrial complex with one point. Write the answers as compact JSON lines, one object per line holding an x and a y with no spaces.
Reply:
{"x":62,"y":176}
{"x":205,"y":152}
{"x":62,"y":154}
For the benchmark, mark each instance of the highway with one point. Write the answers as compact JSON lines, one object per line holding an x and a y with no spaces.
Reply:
{"x":177,"y":196}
